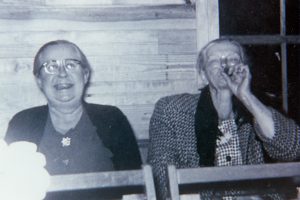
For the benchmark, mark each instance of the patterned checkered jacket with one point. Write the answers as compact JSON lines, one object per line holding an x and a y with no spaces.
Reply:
{"x":173,"y":140}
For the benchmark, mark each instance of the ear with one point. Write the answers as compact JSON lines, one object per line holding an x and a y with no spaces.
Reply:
{"x":86,"y":76}
{"x":201,"y":79}
{"x":39,"y":82}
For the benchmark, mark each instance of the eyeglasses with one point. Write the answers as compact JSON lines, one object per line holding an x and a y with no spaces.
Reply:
{"x":225,"y":62}
{"x":54,"y":66}
{"x":231,"y":60}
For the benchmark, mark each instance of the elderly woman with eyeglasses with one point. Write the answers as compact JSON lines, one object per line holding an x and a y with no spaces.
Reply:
{"x":225,"y":125}
{"x":75,"y":136}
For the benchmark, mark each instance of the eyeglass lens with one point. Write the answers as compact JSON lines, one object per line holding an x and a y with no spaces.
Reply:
{"x":231,"y":61}
{"x":53,"y":66}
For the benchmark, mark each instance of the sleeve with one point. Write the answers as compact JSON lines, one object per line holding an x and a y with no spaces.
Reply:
{"x":10,"y":135}
{"x":162,"y":146}
{"x":16,"y":130}
{"x":27,"y":125}
{"x":125,"y":147}
{"x":285,"y":145}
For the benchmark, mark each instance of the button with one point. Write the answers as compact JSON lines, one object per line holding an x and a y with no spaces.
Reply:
{"x":228,"y":158}
{"x":66,"y":162}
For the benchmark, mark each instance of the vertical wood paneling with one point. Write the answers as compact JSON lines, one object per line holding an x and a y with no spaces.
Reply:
{"x":207,"y":16}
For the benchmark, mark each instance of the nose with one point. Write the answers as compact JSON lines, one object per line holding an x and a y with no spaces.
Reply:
{"x":62,"y":71}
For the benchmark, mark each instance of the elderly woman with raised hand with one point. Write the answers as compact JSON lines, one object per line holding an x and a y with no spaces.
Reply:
{"x":223,"y":126}
{"x":75,"y":136}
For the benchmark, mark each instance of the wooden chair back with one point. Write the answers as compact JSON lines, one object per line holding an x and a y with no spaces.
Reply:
{"x":247,"y":179}
{"x":115,"y":183}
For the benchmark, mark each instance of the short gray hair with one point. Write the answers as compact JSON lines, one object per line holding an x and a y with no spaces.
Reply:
{"x":37,"y":67}
{"x":201,"y":59}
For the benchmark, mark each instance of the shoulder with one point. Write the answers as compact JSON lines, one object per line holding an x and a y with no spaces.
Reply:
{"x":27,"y":125}
{"x":106,"y":114}
{"x":102,"y":110}
{"x":178,"y":103}
{"x":30,"y":114}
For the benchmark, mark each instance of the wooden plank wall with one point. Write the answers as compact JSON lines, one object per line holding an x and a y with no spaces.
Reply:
{"x":135,"y":60}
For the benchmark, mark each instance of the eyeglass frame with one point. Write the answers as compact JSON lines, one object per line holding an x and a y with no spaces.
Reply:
{"x":224,"y":63}
{"x":60,"y":63}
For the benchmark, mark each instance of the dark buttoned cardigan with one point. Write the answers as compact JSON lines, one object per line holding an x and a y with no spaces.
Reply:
{"x":111,"y":124}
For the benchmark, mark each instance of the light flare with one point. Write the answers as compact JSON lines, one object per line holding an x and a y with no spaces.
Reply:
{"x":22,"y":172}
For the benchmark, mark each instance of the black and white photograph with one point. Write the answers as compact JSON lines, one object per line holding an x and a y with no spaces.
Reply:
{"x":149,"y":100}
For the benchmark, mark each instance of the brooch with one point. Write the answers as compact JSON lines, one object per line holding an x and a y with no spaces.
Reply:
{"x":66,"y":141}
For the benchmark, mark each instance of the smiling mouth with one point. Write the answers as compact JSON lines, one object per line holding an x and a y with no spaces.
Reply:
{"x":63,"y":86}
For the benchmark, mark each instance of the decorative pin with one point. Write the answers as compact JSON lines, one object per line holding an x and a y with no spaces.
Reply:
{"x":66,"y":141}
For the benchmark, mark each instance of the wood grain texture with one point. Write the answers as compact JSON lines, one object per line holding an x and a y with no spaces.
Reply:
{"x":263,"y":178}
{"x":140,"y":51}
{"x":207,"y":16}
{"x":15,"y":25}
{"x":84,"y":3}
{"x":98,"y":13}
{"x":112,"y":2}
{"x":141,"y":179}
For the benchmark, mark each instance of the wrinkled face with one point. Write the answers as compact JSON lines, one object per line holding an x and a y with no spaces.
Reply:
{"x":61,"y":77}
{"x":219,"y":57}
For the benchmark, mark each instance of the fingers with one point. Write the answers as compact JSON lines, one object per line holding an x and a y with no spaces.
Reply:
{"x":236,"y":75}
{"x":229,"y":80}
{"x":227,"y":77}
{"x":240,"y":73}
